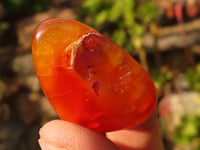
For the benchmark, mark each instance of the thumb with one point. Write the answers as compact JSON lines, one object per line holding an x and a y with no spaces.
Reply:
{"x":63,"y":135}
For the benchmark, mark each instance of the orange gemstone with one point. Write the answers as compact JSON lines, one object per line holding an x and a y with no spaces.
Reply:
{"x":90,"y":80}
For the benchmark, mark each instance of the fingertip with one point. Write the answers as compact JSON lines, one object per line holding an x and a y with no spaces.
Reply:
{"x":63,"y":135}
{"x":47,"y":146}
{"x":52,"y":133}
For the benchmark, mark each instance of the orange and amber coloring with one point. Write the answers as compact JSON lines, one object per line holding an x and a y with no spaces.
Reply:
{"x":90,"y":80}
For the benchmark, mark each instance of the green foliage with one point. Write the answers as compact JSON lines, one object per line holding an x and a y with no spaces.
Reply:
{"x":16,"y":8}
{"x":161,"y":78}
{"x":188,"y":131}
{"x":147,"y":12}
{"x":193,"y":78}
{"x":126,"y":21}
{"x":4,"y":25}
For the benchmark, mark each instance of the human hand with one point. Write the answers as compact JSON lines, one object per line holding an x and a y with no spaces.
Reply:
{"x":63,"y":135}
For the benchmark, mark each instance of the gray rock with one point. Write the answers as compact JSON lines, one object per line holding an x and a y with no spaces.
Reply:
{"x":48,"y":113}
{"x":23,"y":65}
{"x":32,"y":83}
{"x":179,"y":104}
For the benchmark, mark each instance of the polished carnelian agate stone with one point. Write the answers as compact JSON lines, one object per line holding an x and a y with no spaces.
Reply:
{"x":90,"y":80}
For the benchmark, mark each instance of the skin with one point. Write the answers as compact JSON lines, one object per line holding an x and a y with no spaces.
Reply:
{"x":63,"y":135}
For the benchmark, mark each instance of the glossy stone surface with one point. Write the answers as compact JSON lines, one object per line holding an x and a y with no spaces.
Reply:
{"x":88,"y":79}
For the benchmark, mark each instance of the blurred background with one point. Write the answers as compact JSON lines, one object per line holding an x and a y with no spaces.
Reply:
{"x":162,"y":35}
